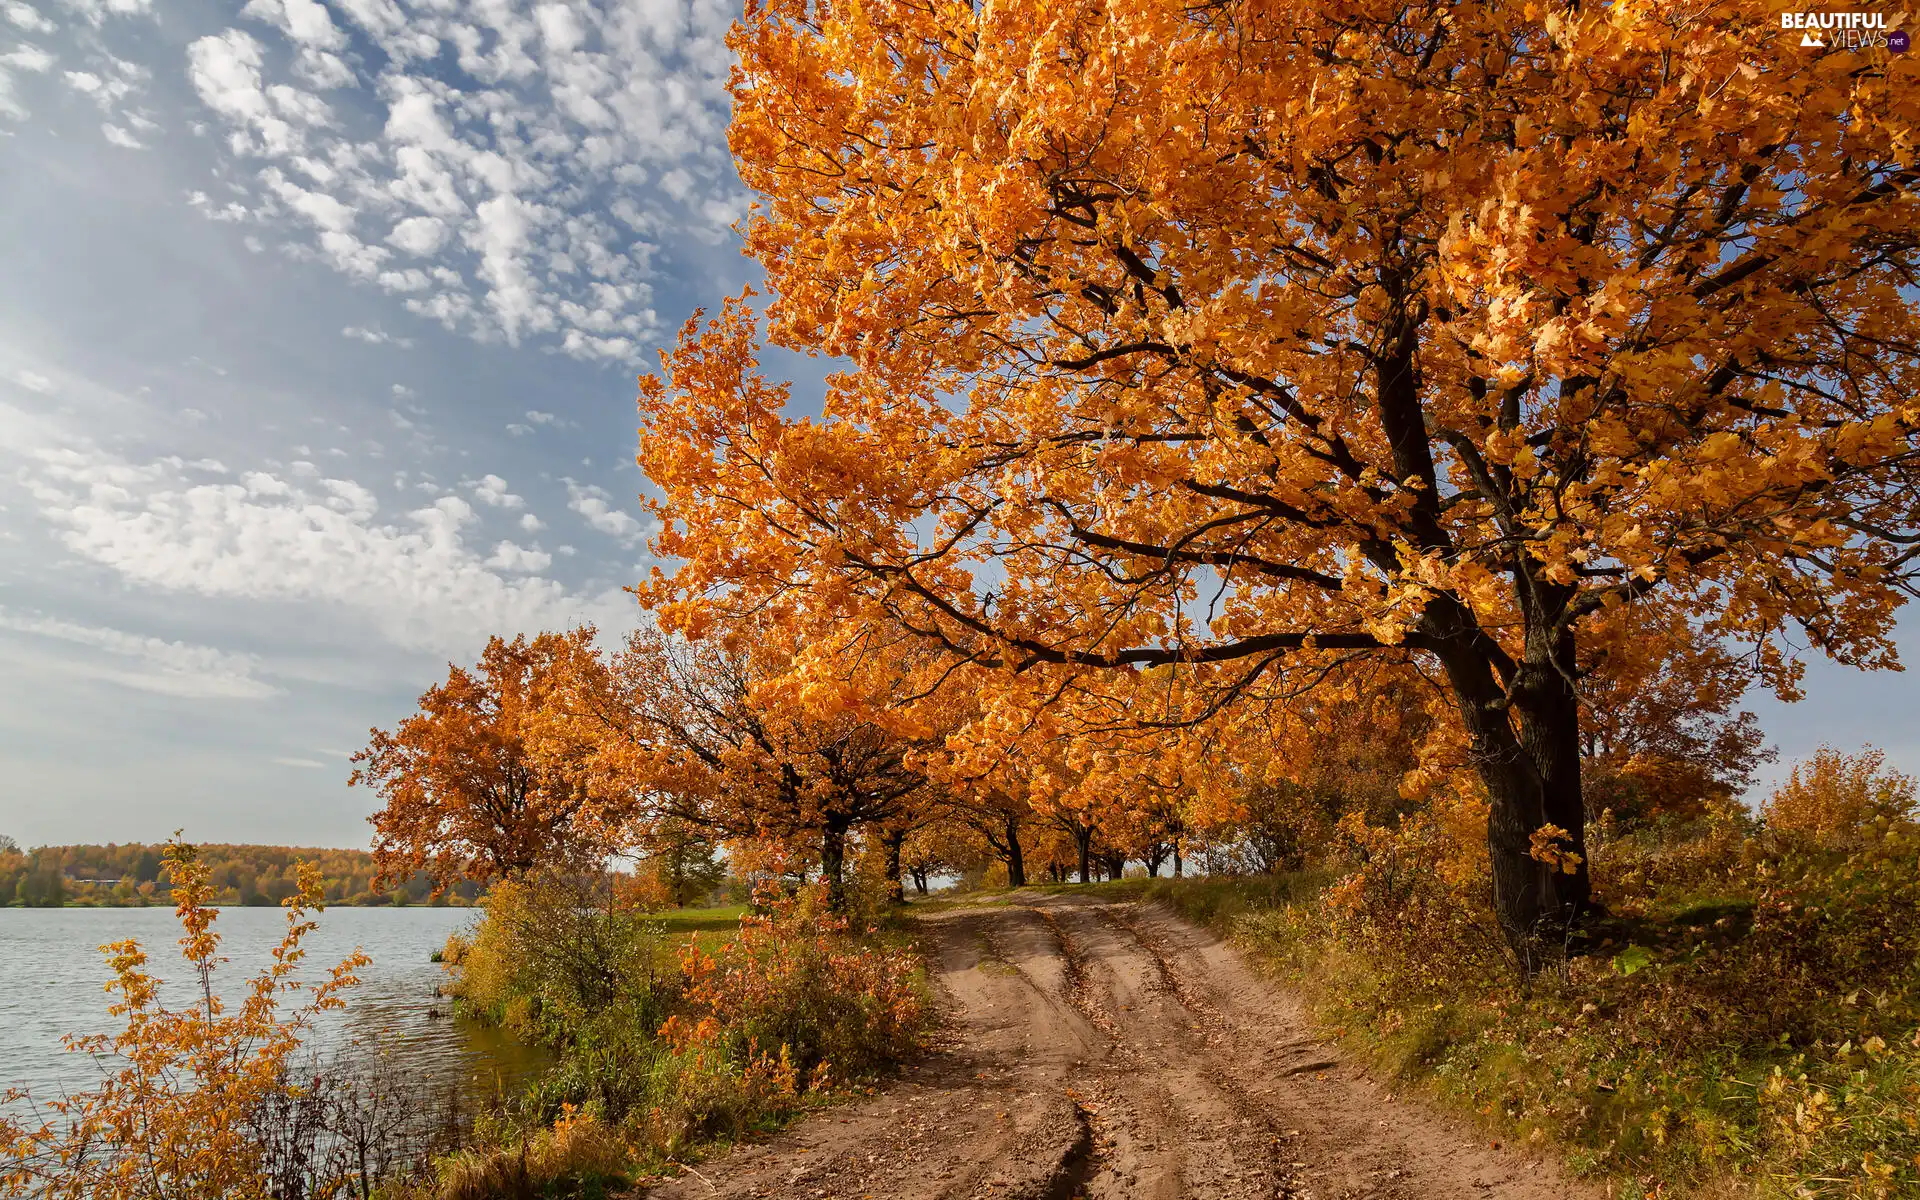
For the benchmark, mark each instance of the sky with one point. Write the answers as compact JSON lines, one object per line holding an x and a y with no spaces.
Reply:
{"x":318,"y":332}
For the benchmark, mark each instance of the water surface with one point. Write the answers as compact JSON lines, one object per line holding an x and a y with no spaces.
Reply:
{"x":52,"y":975}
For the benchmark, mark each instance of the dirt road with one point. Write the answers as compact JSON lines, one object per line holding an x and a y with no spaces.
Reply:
{"x":1106,"y":1049}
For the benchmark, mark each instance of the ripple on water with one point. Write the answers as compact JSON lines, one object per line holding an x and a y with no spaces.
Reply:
{"x":52,"y":979}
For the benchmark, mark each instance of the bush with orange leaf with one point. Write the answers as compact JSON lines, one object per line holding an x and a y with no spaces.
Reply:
{"x":1413,"y":904}
{"x":798,"y":980}
{"x":175,"y":1112}
{"x":726,"y":1037}
{"x":1838,"y":798}
{"x":1744,"y":1018}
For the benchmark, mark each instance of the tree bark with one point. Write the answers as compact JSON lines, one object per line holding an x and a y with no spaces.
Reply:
{"x":1532,"y":777}
{"x":833,"y":863}
{"x":1083,"y":842}
{"x":896,"y":886}
{"x":1016,"y":857}
{"x":1155,"y":855}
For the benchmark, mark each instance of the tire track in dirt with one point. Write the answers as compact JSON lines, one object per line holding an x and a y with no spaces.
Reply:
{"x":1098,"y":1050}
{"x":1200,"y":1136}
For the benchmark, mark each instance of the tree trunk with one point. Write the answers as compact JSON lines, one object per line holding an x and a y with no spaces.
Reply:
{"x":833,"y":864}
{"x":1016,"y":857}
{"x":1155,"y":855}
{"x":919,"y":880}
{"x":1083,"y":842}
{"x":1532,"y":779}
{"x":1177,"y":864}
{"x":896,"y":887}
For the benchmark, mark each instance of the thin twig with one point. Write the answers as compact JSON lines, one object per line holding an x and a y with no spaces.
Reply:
{"x":697,"y":1175}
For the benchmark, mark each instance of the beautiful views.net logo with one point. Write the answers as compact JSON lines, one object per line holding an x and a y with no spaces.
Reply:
{"x":1844,"y":30}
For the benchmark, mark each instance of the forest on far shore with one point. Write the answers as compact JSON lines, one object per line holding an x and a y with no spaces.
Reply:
{"x":133,"y":874}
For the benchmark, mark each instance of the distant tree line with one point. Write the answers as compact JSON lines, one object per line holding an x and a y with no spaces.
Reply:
{"x":134,"y":873}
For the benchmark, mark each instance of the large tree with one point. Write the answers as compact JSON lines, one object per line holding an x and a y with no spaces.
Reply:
{"x":476,"y":784}
{"x":1243,"y":335}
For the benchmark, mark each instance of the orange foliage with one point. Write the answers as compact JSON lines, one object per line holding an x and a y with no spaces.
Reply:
{"x":473,"y":789}
{"x":726,"y":735}
{"x":794,"y":986}
{"x":170,"y":1117}
{"x":1661,"y":736}
{"x":1247,"y":336}
{"x":1836,"y":797}
{"x":133,"y":873}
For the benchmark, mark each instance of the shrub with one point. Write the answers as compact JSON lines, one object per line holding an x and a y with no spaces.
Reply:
{"x":795,"y":980}
{"x":557,"y":956}
{"x":576,"y":1147}
{"x":1750,"y":1008}
{"x":1838,"y":797}
{"x":177,"y":1111}
{"x":712,"y":1045}
{"x":1825,"y":924}
{"x":1414,"y":904}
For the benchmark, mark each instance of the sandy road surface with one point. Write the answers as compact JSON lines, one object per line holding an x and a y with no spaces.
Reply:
{"x":1106,"y":1049}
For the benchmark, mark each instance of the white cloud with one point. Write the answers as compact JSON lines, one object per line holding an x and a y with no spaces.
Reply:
{"x":327,"y":213}
{"x":591,"y":502}
{"x":509,"y":557}
{"x":33,"y":381}
{"x":28,"y":57}
{"x":492,"y":491}
{"x":532,"y":524}
{"x":310,"y":28}
{"x":302,"y":763}
{"x":506,"y":225}
{"x":232,"y":210}
{"x":376,"y":336}
{"x":97,"y":11}
{"x":85,"y":82}
{"x":290,"y":538}
{"x":225,"y":70}
{"x":306,"y":21}
{"x":120,"y":137}
{"x":27,"y":17}
{"x":419,"y":235}
{"x":170,"y":668}
{"x":530,"y":173}
{"x":541,"y":418}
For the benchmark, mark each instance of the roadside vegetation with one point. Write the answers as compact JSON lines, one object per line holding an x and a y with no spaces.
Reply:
{"x":1744,"y":1020}
{"x":674,"y":1030}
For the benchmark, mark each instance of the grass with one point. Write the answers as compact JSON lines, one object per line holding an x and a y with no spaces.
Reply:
{"x":663,"y":1055}
{"x":1653,"y":1075}
{"x":942,"y":901}
{"x":710,"y":927}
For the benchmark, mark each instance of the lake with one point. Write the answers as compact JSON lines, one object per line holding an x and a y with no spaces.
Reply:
{"x":52,"y":972}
